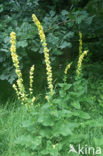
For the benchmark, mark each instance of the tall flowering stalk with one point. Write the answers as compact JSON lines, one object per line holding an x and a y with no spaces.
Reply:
{"x":80,"y":43}
{"x":79,"y":66}
{"x":46,"y":52}
{"x":31,"y":79}
{"x":66,"y":70}
{"x":20,"y":90}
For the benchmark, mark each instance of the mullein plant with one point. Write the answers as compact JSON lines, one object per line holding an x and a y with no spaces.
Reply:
{"x":19,"y":87}
{"x":46,"y":55}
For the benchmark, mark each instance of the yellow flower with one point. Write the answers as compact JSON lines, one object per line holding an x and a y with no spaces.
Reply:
{"x":78,"y":71}
{"x":21,"y":92}
{"x":46,"y":53}
{"x":67,"y":68}
{"x":31,"y":79}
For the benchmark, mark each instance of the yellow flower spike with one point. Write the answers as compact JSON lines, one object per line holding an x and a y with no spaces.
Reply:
{"x":46,"y":53}
{"x":80,"y":43}
{"x":31,"y":79}
{"x":21,"y":91}
{"x":81,"y":57}
{"x":16,"y":90}
{"x":15,"y":60}
{"x":67,"y":68}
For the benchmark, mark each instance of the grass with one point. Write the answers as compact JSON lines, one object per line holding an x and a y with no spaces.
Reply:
{"x":12,"y":125}
{"x":17,"y":124}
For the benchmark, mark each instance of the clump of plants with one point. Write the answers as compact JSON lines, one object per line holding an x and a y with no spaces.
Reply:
{"x":50,"y":128}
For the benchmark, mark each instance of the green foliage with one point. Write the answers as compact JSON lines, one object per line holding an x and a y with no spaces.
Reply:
{"x":60,"y":30}
{"x":75,"y":114}
{"x":48,"y":128}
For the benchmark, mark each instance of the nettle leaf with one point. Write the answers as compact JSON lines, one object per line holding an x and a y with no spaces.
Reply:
{"x":77,"y":94}
{"x":45,"y":107}
{"x":64,"y":128}
{"x":45,"y":119}
{"x":57,"y":101}
{"x":84,"y":115}
{"x":29,"y":141}
{"x":45,"y":132}
{"x":65,"y":44}
{"x":22,"y":44}
{"x":60,"y":114}
{"x":62,"y":93}
{"x":65,"y":86}
{"x":66,"y":113}
{"x":76,"y":104}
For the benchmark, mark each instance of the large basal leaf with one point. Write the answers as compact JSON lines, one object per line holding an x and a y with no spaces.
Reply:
{"x":29,"y":141}
{"x":45,"y":119}
{"x":64,"y":128}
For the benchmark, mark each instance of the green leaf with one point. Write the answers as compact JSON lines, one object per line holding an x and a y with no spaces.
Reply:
{"x":45,"y":119}
{"x":1,"y":8}
{"x":22,"y":44}
{"x":60,"y":114}
{"x":76,"y":104}
{"x":69,"y":35}
{"x":64,"y":12}
{"x":52,"y":149}
{"x":29,"y":141}
{"x":45,"y":132}
{"x":98,"y":141}
{"x":65,"y":86}
{"x":65,"y":45}
{"x":64,"y":128}
{"x":27,"y":123}
{"x":84,"y":115}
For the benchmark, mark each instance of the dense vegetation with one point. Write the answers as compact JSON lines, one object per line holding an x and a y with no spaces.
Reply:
{"x":51,"y":77}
